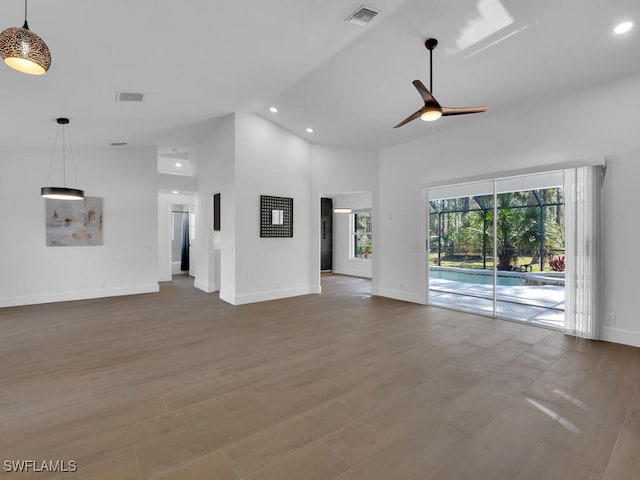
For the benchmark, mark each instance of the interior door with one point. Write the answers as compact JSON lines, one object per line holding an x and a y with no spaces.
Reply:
{"x":326,"y":234}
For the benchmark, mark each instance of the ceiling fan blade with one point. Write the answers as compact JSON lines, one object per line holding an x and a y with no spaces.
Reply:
{"x":425,"y":94}
{"x":462,"y":110}
{"x":411,"y":117}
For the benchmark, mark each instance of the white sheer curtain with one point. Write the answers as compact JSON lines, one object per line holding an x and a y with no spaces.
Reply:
{"x":583,"y":230}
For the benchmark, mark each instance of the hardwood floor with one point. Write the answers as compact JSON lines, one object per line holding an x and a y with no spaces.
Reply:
{"x":179,"y":385}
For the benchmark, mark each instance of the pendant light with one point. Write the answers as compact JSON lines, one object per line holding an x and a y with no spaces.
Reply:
{"x":62,"y":193}
{"x":23,"y":50}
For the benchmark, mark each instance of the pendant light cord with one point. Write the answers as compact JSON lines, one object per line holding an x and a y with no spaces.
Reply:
{"x":430,"y":69}
{"x":66,"y":139}
{"x":73,"y":160}
{"x":26,"y":25}
{"x":64,"y":160}
{"x":53,"y":156}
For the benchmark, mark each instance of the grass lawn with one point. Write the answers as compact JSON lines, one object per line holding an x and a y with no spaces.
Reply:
{"x":475,"y":262}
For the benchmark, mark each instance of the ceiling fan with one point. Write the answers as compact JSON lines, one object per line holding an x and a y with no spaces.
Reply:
{"x":432,"y":110}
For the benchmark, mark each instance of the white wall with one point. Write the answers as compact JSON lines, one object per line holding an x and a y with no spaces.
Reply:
{"x":621,"y":234}
{"x":215,"y":251}
{"x":127,"y":261}
{"x":336,"y":170}
{"x":600,"y":121}
{"x":343,"y":263}
{"x":248,"y":156}
{"x":164,"y":237}
{"x":270,"y":161}
{"x":183,"y":184}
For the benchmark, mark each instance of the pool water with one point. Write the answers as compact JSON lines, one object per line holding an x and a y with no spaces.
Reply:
{"x":482,"y":277}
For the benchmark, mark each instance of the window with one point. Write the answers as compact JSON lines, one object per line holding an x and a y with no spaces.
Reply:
{"x":361,"y":235}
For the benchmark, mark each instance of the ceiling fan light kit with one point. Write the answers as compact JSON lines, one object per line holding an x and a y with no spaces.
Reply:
{"x":431,"y":114}
{"x":23,"y":50}
{"x":432,"y":110}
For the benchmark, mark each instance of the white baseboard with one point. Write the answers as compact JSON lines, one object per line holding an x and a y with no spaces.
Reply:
{"x":164,"y":278}
{"x":83,"y":295}
{"x":400,"y":295}
{"x":227,"y":298}
{"x":618,"y":335}
{"x":206,"y":287}
{"x":267,"y":296}
{"x":352,"y":272}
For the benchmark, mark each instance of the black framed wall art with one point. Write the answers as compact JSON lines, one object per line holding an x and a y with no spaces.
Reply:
{"x":276,"y":216}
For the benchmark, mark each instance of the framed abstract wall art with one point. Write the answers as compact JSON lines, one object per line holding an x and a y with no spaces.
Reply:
{"x":72,"y":223}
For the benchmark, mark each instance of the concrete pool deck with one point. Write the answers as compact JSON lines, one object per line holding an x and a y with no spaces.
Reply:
{"x":542,"y":304}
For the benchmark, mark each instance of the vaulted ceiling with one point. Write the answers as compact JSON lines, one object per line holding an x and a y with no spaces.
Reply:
{"x":198,"y":60}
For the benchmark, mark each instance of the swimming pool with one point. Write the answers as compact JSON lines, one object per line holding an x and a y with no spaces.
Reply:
{"x":482,"y":277}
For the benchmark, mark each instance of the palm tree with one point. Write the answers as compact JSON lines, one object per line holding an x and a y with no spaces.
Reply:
{"x":518,"y":229}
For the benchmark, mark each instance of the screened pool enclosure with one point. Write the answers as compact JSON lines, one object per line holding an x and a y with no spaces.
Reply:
{"x":498,"y":248}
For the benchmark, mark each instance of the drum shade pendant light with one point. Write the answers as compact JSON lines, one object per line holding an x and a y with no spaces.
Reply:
{"x":23,"y":50}
{"x":62,"y":193}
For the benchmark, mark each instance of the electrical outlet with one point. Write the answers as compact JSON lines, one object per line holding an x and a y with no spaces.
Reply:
{"x":611,"y":319}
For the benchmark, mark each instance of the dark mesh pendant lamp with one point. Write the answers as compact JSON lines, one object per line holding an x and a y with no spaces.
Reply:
{"x":64,"y":192}
{"x":23,"y":50}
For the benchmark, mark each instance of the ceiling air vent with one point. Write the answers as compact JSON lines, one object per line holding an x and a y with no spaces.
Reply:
{"x":362,"y":15}
{"x":129,"y":97}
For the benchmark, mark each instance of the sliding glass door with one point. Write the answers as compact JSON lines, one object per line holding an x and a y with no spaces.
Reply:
{"x":461,"y":257}
{"x":497,"y":248}
{"x":530,"y":239}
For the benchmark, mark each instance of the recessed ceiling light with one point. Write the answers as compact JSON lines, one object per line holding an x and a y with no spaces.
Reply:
{"x":623,"y":27}
{"x":273,"y":109}
{"x":175,"y":192}
{"x":178,"y":164}
{"x":309,"y":130}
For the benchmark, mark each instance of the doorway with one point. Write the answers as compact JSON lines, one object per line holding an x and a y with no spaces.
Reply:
{"x":170,"y":231}
{"x":346,"y":227}
{"x":180,"y":240}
